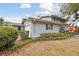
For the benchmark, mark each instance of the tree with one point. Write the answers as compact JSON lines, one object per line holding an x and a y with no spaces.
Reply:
{"x":23,"y":20}
{"x":69,"y":9}
{"x":1,"y":21}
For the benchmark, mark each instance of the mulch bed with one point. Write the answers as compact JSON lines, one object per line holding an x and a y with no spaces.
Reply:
{"x":19,"y":41}
{"x":9,"y":52}
{"x":6,"y":52}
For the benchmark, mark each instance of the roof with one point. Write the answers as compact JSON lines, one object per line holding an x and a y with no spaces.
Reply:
{"x":15,"y":24}
{"x":51,"y":22}
{"x":46,"y":21}
{"x":54,"y":16}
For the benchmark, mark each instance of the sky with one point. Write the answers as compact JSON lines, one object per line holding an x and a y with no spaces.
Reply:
{"x":14,"y":12}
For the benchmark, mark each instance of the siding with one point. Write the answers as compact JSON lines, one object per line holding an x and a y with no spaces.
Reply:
{"x":28,"y":27}
{"x":48,"y":19}
{"x":41,"y":28}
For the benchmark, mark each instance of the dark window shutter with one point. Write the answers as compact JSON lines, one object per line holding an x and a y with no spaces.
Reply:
{"x":46,"y":26}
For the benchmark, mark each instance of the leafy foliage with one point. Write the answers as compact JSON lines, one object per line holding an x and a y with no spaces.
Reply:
{"x":70,"y":8}
{"x":23,"y":34}
{"x":52,"y":35}
{"x":1,"y":21}
{"x":7,"y":37}
{"x":23,"y":20}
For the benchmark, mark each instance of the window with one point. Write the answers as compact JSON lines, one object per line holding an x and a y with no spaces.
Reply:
{"x":62,"y":29}
{"x":19,"y":28}
{"x":49,"y":26}
{"x":54,"y":18}
{"x":46,"y":26}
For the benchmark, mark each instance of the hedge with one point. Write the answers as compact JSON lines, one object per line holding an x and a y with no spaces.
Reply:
{"x":52,"y":35}
{"x":8,"y":37}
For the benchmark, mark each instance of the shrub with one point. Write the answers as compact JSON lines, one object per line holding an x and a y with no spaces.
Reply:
{"x":54,"y":35}
{"x":23,"y":34}
{"x":77,"y":31}
{"x":7,"y":37}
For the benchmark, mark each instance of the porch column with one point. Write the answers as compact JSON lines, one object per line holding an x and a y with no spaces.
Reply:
{"x":31,"y":30}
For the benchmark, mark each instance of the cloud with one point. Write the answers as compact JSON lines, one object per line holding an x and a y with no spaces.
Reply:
{"x":27,"y":15}
{"x":42,"y":13}
{"x":49,"y":8}
{"x":46,"y":6}
{"x":45,"y":9}
{"x":25,"y":5}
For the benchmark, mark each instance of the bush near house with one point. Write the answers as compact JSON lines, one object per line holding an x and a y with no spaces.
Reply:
{"x":8,"y":37}
{"x":23,"y":34}
{"x":54,"y":35}
{"x":77,"y":31}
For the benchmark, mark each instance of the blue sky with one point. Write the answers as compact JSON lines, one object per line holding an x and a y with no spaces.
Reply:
{"x":14,"y":12}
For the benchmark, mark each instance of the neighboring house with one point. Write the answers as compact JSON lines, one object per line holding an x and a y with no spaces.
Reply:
{"x":44,"y":24}
{"x":17,"y":26}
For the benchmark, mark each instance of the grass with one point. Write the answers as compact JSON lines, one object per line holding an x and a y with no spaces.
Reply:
{"x":60,"y":49}
{"x":78,"y":53}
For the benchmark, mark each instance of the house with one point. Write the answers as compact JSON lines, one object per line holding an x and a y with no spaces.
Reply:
{"x":44,"y":24}
{"x":17,"y":26}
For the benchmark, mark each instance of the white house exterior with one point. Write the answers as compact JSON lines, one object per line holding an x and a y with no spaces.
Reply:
{"x":17,"y":26}
{"x":44,"y":24}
